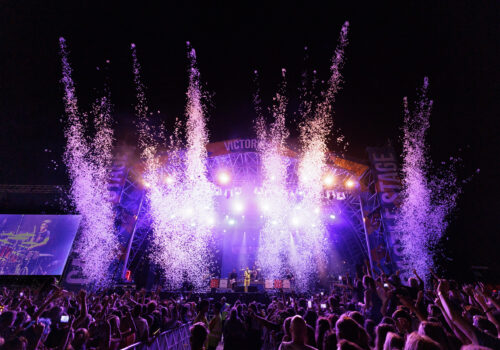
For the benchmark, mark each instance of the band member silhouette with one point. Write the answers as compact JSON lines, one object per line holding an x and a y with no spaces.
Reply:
{"x":232,"y":279}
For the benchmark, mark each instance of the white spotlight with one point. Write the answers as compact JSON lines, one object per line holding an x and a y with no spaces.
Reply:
{"x":231,"y":222}
{"x":329,"y":180}
{"x":350,"y":183}
{"x":223,"y":178}
{"x":332,"y":217}
{"x":295,"y":221}
{"x":238,"y":207}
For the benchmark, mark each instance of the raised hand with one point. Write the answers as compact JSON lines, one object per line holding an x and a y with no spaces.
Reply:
{"x":81,"y":294}
{"x":481,"y":299}
{"x":443,"y":287}
{"x":467,"y":288}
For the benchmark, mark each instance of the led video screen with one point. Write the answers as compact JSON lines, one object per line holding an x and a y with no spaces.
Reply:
{"x":36,"y":244}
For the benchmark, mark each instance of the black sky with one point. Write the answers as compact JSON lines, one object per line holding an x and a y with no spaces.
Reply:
{"x":393,"y":45}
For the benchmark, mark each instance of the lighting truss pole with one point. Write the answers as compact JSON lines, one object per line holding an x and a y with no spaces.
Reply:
{"x":131,"y":240}
{"x":366,"y":233}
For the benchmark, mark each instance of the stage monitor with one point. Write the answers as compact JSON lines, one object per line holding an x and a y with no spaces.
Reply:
{"x":36,"y":244}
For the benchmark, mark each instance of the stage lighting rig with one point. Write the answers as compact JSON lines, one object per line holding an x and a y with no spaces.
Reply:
{"x":329,"y":180}
{"x":223,"y":178}
{"x":350,"y":183}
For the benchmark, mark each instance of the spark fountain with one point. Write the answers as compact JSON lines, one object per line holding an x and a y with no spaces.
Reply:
{"x":316,"y":127}
{"x":179,"y":193}
{"x":293,"y":235}
{"x":274,"y":242}
{"x":88,"y":161}
{"x":426,"y":199}
{"x":181,"y":183}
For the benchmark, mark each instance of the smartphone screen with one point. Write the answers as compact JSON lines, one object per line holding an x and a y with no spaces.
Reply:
{"x":386,"y":285}
{"x":64,"y":319}
{"x":323,"y":306}
{"x":309,"y":304}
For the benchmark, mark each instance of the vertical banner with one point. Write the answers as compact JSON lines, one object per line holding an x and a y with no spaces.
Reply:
{"x":388,"y":186}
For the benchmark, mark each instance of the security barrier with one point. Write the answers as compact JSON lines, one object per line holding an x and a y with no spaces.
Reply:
{"x":173,"y":339}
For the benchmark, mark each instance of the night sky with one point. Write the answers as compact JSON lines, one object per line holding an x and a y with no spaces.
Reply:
{"x":393,"y":45}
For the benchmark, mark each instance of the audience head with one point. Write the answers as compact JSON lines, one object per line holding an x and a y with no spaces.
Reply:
{"x":415,"y":341}
{"x":402,"y":320}
{"x":347,"y":345}
{"x":381,"y":332}
{"x":393,"y":342}
{"x":298,"y":329}
{"x":434,"y":331}
{"x":198,"y":336}
{"x":347,"y":329}
{"x":357,"y":316}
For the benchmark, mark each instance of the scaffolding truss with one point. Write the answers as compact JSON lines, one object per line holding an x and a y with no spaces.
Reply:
{"x":134,"y":221}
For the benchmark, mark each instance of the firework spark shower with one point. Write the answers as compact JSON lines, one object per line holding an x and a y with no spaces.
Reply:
{"x":426,"y":199}
{"x":293,"y":235}
{"x":316,"y":127}
{"x":179,"y":193}
{"x":274,"y":242}
{"x":88,"y":160}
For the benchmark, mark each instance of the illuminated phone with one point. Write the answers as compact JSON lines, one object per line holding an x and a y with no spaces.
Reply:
{"x":323,"y":306}
{"x":309,"y":304}
{"x":64,"y":319}
{"x":386,"y":285}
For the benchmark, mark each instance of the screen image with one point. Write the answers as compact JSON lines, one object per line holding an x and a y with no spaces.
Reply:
{"x":36,"y":244}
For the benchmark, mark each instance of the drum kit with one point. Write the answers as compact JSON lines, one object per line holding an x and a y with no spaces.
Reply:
{"x":17,"y":260}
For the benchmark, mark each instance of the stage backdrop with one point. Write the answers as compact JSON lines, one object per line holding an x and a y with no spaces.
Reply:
{"x":36,"y":244}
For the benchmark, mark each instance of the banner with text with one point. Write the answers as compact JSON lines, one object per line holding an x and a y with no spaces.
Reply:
{"x":388,"y":186}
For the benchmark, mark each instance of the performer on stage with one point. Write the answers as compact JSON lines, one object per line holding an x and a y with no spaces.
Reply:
{"x":41,"y":238}
{"x":248,"y":275}
{"x":254,"y":273}
{"x":232,"y":279}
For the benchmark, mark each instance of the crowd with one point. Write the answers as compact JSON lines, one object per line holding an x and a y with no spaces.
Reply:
{"x":369,"y":312}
